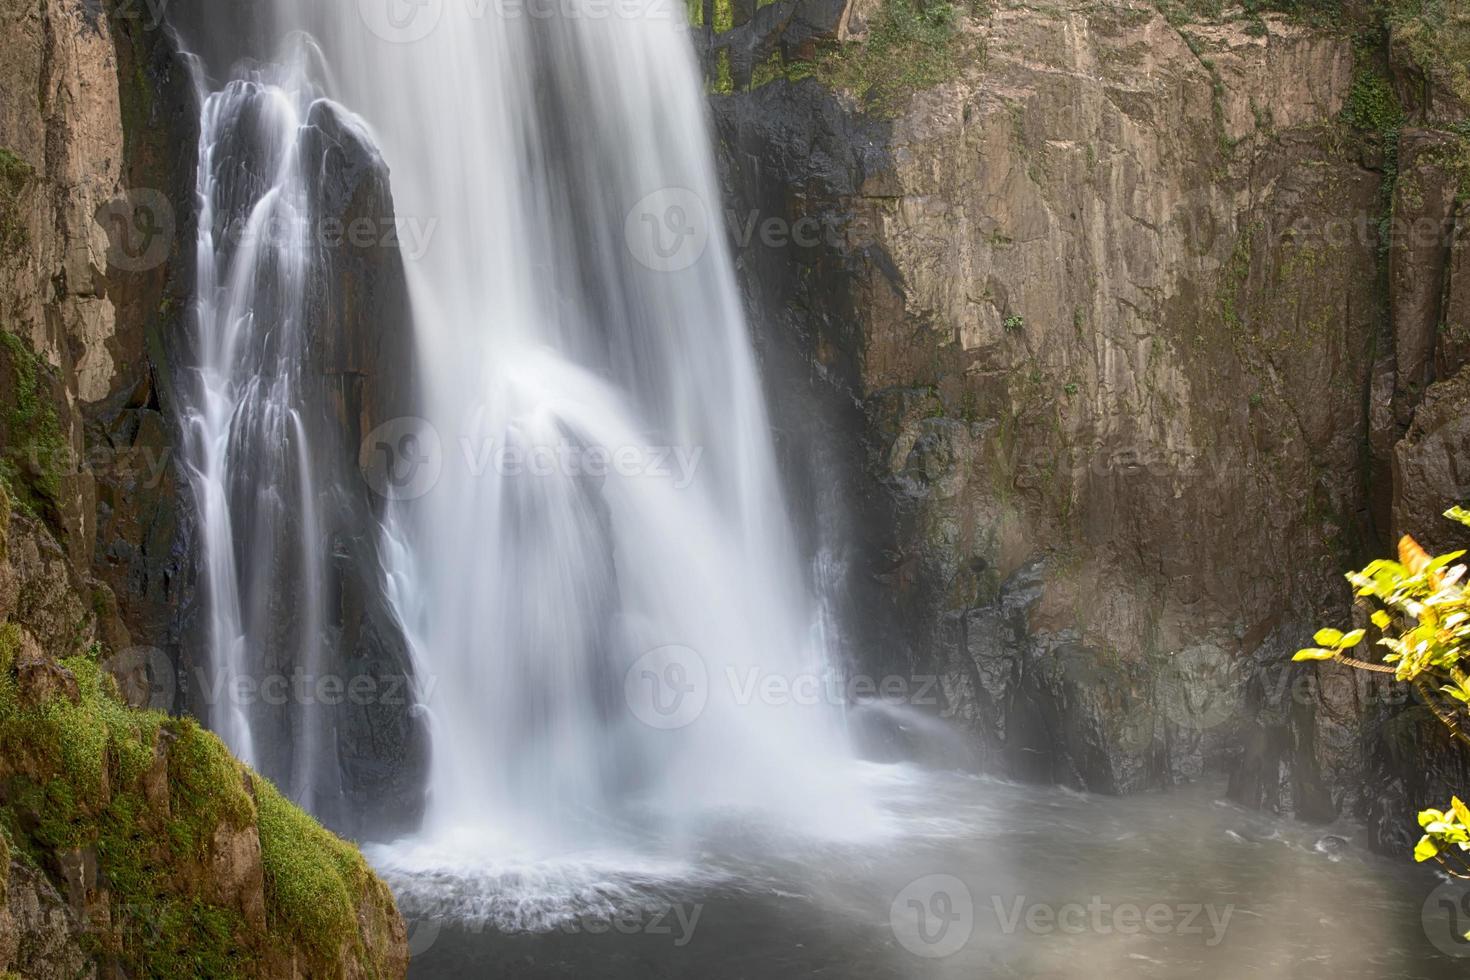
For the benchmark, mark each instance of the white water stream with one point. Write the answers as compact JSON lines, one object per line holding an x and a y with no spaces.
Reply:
{"x":587,"y":549}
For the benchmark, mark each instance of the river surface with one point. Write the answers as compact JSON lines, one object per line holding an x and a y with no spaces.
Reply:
{"x":971,"y":877}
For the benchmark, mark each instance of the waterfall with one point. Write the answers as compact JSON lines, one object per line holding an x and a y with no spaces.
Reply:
{"x":584,"y":538}
{"x":245,"y":444}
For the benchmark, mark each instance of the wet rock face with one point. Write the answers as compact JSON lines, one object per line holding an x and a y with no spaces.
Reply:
{"x":357,"y":700}
{"x":362,"y":353}
{"x":1100,"y":391}
{"x":96,"y":216}
{"x":46,"y":935}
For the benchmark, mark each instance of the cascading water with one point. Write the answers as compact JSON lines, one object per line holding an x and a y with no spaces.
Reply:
{"x":245,"y":440}
{"x":576,"y":306}
{"x":622,"y":666}
{"x":589,"y":553}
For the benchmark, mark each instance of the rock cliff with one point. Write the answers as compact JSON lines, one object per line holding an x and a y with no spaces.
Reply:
{"x":130,"y":842}
{"x":1125,"y":333}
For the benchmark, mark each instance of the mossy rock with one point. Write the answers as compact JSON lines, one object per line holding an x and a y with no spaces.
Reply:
{"x":15,"y":174}
{"x":910,"y":46}
{"x":153,"y":796}
{"x":34,"y":452}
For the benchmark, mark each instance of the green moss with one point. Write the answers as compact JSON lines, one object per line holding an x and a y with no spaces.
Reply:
{"x":207,"y":788}
{"x":311,"y":876}
{"x":724,"y":82}
{"x":31,"y":463}
{"x":1236,"y":275}
{"x":9,"y":649}
{"x":79,"y":785}
{"x":83,"y":773}
{"x":910,"y":46}
{"x":1318,"y":12}
{"x":1435,"y":34}
{"x":75,"y":751}
{"x":1372,"y":105}
{"x":15,"y":174}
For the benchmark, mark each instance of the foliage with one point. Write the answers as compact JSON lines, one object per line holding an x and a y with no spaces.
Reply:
{"x":909,"y":46}
{"x":1312,"y":11}
{"x":1372,"y":104}
{"x":15,"y":173}
{"x":30,"y":463}
{"x":724,"y":81}
{"x":1435,"y":34}
{"x":312,"y":877}
{"x":1444,"y":831}
{"x":82,"y":769}
{"x":1421,"y":611}
{"x":724,"y":14}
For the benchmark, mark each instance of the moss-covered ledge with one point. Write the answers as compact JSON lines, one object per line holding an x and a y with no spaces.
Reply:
{"x":145,"y":847}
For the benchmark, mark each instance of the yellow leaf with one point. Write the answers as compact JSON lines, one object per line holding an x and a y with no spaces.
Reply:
{"x":1314,"y":653}
{"x":1411,"y":556}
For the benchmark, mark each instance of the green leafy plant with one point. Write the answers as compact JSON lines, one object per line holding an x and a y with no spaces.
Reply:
{"x":1421,"y":610}
{"x":910,"y":45}
{"x":1015,"y":323}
